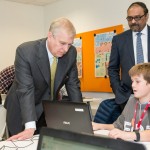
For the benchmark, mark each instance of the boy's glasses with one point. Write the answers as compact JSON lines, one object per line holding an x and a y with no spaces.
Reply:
{"x":136,"y":18}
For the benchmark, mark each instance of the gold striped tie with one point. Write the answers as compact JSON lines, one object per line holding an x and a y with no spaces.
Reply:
{"x":53,"y":71}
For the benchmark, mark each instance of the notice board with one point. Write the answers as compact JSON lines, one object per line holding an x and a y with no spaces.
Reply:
{"x":88,"y":80}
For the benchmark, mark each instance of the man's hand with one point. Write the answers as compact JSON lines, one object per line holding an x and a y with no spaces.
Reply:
{"x":26,"y":134}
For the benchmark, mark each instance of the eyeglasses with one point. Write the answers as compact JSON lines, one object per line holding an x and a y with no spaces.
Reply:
{"x":136,"y":18}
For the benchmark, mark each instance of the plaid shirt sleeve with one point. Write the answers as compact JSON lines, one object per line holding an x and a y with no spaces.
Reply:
{"x":7,"y":76}
{"x":63,"y":91}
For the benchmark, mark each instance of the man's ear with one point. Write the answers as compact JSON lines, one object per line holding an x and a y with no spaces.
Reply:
{"x":147,"y":16}
{"x":50,"y":34}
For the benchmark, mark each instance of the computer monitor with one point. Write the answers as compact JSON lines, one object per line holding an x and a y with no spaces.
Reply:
{"x":71,"y":116}
{"x":55,"y":139}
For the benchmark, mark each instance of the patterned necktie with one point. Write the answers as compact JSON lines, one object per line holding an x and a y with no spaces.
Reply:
{"x":53,"y":71}
{"x":139,"y":49}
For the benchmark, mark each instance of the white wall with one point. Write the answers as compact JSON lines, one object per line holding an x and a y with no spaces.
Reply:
{"x":89,"y":15}
{"x":18,"y":23}
{"x":21,"y":22}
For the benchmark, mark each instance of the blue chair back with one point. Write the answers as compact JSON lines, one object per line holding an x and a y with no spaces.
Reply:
{"x":107,"y":112}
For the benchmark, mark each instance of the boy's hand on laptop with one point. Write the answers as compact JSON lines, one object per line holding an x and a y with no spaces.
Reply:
{"x":26,"y":134}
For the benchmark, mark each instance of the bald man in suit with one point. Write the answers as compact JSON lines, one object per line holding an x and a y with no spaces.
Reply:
{"x":123,"y":52}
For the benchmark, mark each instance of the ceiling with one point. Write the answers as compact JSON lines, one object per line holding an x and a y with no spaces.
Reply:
{"x":35,"y":2}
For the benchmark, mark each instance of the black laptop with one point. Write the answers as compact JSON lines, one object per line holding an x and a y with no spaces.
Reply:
{"x":54,"y":139}
{"x":69,"y":116}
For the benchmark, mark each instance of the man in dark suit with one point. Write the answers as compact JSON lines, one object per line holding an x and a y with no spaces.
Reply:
{"x":32,"y":82}
{"x":123,"y":52}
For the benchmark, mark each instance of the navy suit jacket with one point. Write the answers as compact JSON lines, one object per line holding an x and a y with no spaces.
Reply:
{"x":32,"y":83}
{"x":121,"y":60}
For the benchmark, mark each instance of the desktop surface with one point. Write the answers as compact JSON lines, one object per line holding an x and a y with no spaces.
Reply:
{"x":65,"y":140}
{"x":31,"y":144}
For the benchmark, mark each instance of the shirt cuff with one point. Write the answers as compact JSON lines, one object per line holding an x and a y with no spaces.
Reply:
{"x":30,"y":124}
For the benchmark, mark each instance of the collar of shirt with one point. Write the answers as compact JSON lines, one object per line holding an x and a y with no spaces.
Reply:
{"x":144,"y":31}
{"x":144,"y":38}
{"x":50,"y":56}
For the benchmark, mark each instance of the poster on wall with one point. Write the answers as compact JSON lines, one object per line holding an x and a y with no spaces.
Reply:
{"x":78,"y":44}
{"x":102,"y":50}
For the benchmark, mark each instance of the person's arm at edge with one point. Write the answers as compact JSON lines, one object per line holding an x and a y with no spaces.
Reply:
{"x":145,"y":136}
{"x":114,"y":66}
{"x":22,"y":68}
{"x":124,"y":135}
{"x":99,"y":126}
{"x":73,"y":84}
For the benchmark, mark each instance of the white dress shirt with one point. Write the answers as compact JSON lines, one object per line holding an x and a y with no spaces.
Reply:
{"x":144,"y":38}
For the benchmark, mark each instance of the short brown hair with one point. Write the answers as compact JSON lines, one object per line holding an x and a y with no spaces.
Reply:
{"x":141,"y":69}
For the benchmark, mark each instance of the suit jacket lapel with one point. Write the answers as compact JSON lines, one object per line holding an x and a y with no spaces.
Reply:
{"x":148,"y":43}
{"x":130,"y":46}
{"x":43,"y":62}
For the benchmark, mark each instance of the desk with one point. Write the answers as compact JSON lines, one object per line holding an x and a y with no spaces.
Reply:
{"x":106,"y":132}
{"x":31,"y":144}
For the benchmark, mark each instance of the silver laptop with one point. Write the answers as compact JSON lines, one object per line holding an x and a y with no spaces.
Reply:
{"x":54,"y":139}
{"x":69,"y":116}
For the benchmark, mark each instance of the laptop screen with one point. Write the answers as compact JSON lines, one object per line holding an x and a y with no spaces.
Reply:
{"x":52,"y":143}
{"x":54,"y":139}
{"x":69,"y":116}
